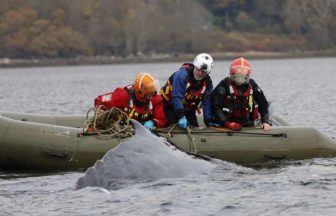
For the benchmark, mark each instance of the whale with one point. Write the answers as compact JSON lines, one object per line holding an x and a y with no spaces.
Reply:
{"x":143,"y":157}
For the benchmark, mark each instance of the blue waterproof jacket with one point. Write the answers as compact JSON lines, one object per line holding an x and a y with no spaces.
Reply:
{"x":182,"y":83}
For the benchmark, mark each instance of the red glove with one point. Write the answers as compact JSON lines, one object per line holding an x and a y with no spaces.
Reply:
{"x":232,"y":125}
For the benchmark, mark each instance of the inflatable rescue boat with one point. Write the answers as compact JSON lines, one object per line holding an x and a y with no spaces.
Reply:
{"x":53,"y":143}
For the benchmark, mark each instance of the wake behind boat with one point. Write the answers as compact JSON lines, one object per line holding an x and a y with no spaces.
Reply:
{"x":45,"y":142}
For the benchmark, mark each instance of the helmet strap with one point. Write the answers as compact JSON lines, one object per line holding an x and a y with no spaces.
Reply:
{"x":142,"y":100}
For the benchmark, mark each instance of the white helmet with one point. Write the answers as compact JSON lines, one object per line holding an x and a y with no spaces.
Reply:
{"x":204,"y":62}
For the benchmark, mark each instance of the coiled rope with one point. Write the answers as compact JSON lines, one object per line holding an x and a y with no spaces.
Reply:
{"x":112,"y":123}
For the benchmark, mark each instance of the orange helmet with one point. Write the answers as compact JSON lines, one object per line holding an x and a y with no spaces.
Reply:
{"x":240,"y":71}
{"x":144,"y":84}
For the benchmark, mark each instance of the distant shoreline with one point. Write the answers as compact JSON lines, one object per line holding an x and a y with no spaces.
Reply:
{"x":97,"y":60}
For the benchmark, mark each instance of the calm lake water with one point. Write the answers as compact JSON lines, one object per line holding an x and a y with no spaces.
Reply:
{"x":301,"y":90}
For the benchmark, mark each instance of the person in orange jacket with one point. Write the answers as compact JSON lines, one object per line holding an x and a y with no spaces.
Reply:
{"x":237,"y":100}
{"x":140,"y":101}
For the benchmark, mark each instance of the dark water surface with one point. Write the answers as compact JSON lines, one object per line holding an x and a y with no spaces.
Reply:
{"x":302,"y":91}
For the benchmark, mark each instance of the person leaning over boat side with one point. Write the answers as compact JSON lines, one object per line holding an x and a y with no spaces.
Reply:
{"x":237,"y":100}
{"x":140,"y":101}
{"x":187,"y":90}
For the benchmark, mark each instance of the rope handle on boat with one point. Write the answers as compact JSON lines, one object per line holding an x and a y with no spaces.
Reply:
{"x":283,"y":135}
{"x":229,"y":133}
{"x":192,"y":146}
{"x":167,"y":137}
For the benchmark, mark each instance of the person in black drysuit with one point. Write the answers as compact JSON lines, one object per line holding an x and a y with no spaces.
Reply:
{"x":238,"y":100}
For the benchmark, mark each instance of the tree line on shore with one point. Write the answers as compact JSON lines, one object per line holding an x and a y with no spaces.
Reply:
{"x":70,"y":28}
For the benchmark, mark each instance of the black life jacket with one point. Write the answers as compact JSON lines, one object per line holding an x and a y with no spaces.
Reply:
{"x":239,"y":106}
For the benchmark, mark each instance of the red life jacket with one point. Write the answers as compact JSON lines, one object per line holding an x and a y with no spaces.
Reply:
{"x":140,"y":113}
{"x":193,"y":93}
{"x":240,"y":106}
{"x":123,"y":98}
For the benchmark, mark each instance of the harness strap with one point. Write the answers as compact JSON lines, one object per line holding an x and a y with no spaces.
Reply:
{"x":130,"y":115}
{"x":162,"y":93}
{"x":251,"y":100}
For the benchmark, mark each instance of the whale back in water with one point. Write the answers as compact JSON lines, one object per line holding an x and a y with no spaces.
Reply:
{"x":141,"y":158}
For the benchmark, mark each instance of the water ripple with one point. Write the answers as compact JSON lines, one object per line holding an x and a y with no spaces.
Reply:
{"x":301,"y":91}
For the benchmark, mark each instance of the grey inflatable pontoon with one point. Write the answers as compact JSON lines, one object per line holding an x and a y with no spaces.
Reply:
{"x":43,"y":142}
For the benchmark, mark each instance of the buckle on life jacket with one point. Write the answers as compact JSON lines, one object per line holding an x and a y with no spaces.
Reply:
{"x":199,"y":111}
{"x":166,"y":90}
{"x":130,"y":115}
{"x":250,"y":101}
{"x":162,"y":93}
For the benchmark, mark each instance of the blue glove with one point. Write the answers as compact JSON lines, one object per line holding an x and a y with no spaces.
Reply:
{"x":149,"y":125}
{"x":182,"y":122}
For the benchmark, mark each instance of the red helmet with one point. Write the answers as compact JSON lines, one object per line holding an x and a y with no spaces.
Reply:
{"x":240,"y":71}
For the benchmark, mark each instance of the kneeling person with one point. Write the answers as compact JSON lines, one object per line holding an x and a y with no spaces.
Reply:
{"x":188,"y":90}
{"x":140,"y":101}
{"x":237,"y":100}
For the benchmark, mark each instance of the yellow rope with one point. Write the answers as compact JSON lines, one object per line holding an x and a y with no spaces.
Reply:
{"x":192,"y":146}
{"x":112,"y":123}
{"x":167,"y":135}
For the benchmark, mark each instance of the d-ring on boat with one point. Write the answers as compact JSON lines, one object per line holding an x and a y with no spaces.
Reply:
{"x":45,"y":142}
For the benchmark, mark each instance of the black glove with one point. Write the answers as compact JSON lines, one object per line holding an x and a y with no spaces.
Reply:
{"x":211,"y":123}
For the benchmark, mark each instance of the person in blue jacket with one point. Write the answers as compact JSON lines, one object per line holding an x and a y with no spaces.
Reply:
{"x":187,"y":91}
